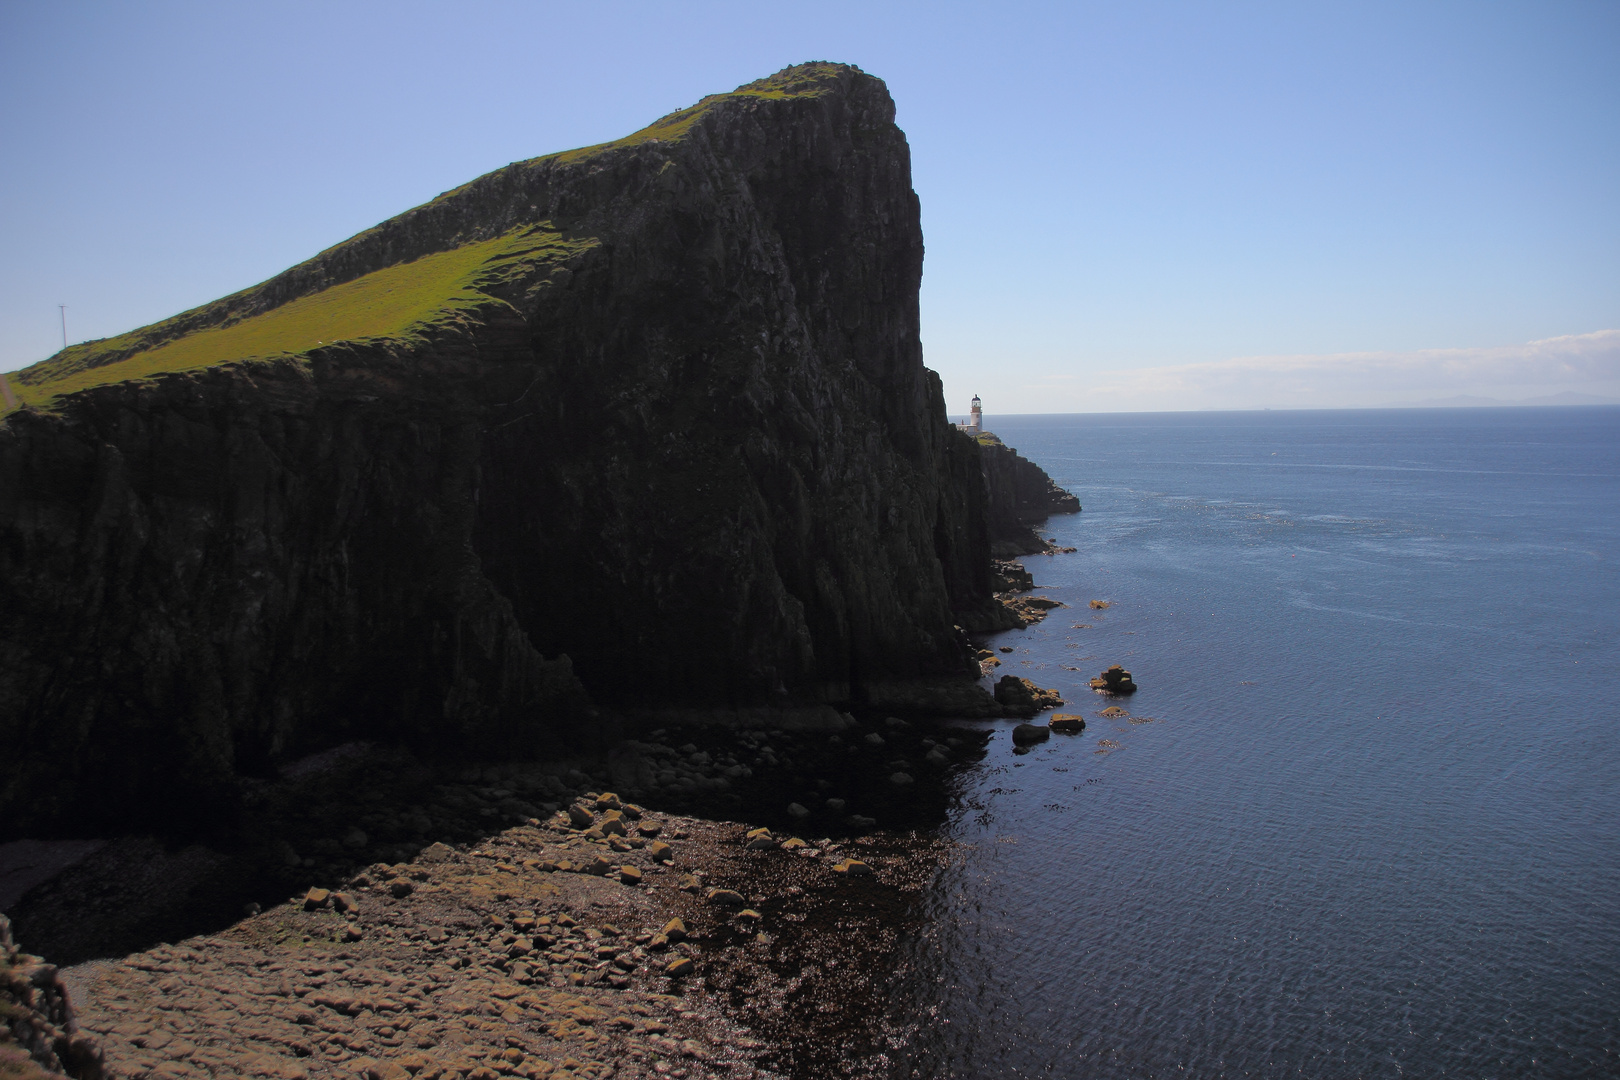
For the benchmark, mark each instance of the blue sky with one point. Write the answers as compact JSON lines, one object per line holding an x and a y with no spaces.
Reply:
{"x":1125,"y":205}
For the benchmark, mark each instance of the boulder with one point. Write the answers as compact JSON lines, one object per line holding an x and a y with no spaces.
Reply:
{"x":1025,"y":734}
{"x":1115,"y":680}
{"x":1068,"y":722}
{"x":1020,"y":697}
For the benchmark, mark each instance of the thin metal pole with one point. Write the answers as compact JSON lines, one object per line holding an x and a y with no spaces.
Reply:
{"x":63,"y":309}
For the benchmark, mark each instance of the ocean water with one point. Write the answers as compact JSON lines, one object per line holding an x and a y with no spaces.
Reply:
{"x":1365,"y":818}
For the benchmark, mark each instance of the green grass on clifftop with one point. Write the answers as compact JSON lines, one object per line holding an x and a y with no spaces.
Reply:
{"x":804,"y":80}
{"x":396,"y":303}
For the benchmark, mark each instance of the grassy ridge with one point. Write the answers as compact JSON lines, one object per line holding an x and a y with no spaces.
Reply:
{"x":802,"y":81}
{"x":397,"y":302}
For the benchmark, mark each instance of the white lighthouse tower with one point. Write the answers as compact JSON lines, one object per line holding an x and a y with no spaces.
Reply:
{"x":976,"y":417}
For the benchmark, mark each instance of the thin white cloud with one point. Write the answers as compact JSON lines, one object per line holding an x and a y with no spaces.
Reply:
{"x":1576,"y":363}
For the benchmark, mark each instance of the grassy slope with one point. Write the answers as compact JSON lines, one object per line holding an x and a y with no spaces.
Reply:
{"x":396,"y":302}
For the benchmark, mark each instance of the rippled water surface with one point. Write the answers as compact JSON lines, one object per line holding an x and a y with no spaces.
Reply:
{"x":1365,"y":818}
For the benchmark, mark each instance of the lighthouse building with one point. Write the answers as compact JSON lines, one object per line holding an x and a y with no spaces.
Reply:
{"x":975,"y":424}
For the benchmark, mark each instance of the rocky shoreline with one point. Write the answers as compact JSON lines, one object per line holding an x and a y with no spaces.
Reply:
{"x":787,"y":979}
{"x":541,"y":949}
{"x":604,"y":941}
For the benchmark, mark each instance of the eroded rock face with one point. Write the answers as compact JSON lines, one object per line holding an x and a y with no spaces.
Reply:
{"x":694,"y":459}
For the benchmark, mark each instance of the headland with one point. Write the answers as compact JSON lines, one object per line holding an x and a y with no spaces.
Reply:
{"x":616,"y":472}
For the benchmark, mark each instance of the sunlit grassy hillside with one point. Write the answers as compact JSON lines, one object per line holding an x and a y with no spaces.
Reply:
{"x":397,"y":302}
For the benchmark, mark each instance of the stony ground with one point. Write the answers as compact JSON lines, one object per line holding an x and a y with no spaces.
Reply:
{"x":547,"y":950}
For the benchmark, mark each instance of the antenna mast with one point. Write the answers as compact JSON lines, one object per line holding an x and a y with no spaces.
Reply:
{"x":63,"y":309}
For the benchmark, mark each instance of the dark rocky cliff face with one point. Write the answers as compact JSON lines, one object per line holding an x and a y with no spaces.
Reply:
{"x":689,"y":455}
{"x":1021,"y":496}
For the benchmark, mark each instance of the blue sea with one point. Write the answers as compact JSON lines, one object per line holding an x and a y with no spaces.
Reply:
{"x":1364,"y":819}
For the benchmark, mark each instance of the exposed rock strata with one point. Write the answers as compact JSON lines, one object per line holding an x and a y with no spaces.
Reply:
{"x":692,"y":458}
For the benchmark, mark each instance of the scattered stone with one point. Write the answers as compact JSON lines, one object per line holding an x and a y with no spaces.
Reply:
{"x":797,"y":811}
{"x":726,"y":898}
{"x":874,"y":739}
{"x":1101,"y":604}
{"x":679,"y":967}
{"x":400,"y":888}
{"x":316,"y":899}
{"x":581,"y":817}
{"x":674,"y":930}
{"x":661,"y":852}
{"x":1114,"y":711}
{"x":900,"y":779}
{"x":1068,"y":722}
{"x":836,"y":805}
{"x":1025,"y":734}
{"x":852,"y":868}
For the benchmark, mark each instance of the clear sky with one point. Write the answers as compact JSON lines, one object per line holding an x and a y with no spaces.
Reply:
{"x":1126,"y":205}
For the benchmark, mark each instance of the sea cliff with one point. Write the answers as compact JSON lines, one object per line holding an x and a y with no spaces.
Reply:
{"x":643,"y":425}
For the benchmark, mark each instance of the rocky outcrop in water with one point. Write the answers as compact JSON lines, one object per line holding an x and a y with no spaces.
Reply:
{"x":1020,"y":697}
{"x":682,"y":453}
{"x":1114,"y":680}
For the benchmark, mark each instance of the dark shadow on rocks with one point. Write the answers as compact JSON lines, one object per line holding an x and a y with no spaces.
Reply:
{"x":357,"y":804}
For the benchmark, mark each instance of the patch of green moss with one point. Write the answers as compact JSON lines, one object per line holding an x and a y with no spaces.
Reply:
{"x":396,"y":303}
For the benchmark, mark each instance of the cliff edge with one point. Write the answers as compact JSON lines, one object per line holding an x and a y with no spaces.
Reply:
{"x":642,"y":424}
